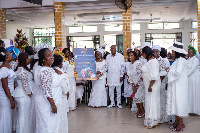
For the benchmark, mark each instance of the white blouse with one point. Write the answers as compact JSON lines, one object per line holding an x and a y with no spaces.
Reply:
{"x":24,"y":82}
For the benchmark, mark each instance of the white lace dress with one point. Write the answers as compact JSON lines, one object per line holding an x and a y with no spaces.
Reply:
{"x":135,"y":74}
{"x":69,"y":70}
{"x":163,"y":64}
{"x":150,"y":71}
{"x":5,"y":109}
{"x":24,"y":102}
{"x":64,"y":105}
{"x":194,"y":85}
{"x":98,"y":96}
{"x":127,"y":87}
{"x":177,"y":92}
{"x":49,"y":86}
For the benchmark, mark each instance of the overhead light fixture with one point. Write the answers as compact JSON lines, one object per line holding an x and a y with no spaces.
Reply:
{"x":103,"y":16}
{"x":6,"y":20}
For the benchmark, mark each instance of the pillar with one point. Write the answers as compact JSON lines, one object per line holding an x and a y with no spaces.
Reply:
{"x":127,"y":28}
{"x":198,"y":21}
{"x":2,"y":23}
{"x":59,"y":16}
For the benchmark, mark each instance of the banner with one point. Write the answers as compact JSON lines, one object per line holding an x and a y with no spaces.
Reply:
{"x":85,"y":63}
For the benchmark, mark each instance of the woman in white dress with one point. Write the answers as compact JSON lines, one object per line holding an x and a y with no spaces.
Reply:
{"x":57,"y":65}
{"x":48,"y":95}
{"x":23,"y":93}
{"x":127,"y":86}
{"x":135,"y":78}
{"x":152,"y":84}
{"x":194,"y":81}
{"x":98,"y":96}
{"x":69,"y":68}
{"x":177,"y":93}
{"x":7,"y":104}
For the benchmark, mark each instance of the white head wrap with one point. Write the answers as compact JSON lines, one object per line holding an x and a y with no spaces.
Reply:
{"x":101,"y":51}
{"x":156,"y":47}
{"x":144,"y":44}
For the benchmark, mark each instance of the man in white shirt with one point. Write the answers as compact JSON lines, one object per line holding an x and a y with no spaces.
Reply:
{"x":116,"y":69}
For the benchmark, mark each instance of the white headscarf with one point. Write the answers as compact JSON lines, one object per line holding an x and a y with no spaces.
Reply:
{"x":156,"y":47}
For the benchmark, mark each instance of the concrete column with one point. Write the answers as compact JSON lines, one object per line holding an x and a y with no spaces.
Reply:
{"x":2,"y":23}
{"x":101,"y":29}
{"x":60,"y":32}
{"x":127,"y":28}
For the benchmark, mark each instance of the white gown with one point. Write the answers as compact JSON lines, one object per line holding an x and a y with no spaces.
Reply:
{"x":177,"y":92}
{"x":69,"y":70}
{"x":194,"y":85}
{"x":163,"y":64}
{"x":49,"y":86}
{"x":64,"y":105}
{"x":24,"y":102}
{"x":127,"y":87}
{"x":150,"y":71}
{"x":5,"y":109}
{"x":98,"y":96}
{"x":135,"y":74}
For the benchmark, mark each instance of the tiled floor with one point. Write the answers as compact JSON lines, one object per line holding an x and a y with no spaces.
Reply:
{"x":103,"y":120}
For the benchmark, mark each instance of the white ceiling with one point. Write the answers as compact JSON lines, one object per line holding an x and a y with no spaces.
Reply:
{"x":90,"y":12}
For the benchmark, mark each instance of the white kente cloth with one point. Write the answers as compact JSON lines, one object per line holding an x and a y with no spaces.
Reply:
{"x":127,"y":86}
{"x":134,"y":76}
{"x":194,"y":85}
{"x":177,"y":92}
{"x":98,"y":96}
{"x":24,"y":102}
{"x":49,"y":87}
{"x":5,"y":110}
{"x":150,"y":71}
{"x":116,"y":69}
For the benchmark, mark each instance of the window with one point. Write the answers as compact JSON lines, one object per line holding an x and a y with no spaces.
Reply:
{"x":113,"y":28}
{"x":193,"y":40}
{"x":155,"y":26}
{"x":135,"y":26}
{"x":75,"y":29}
{"x":194,"y":24}
{"x":89,"y":28}
{"x":171,"y":25}
{"x":164,"y":40}
{"x":44,"y":35}
{"x":136,"y":39}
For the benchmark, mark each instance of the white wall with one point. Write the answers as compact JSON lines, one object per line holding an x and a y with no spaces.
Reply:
{"x":11,"y":31}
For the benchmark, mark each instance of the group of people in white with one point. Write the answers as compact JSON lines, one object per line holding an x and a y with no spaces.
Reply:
{"x":36,"y":97}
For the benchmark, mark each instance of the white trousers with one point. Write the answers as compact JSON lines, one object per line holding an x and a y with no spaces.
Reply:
{"x":111,"y":94}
